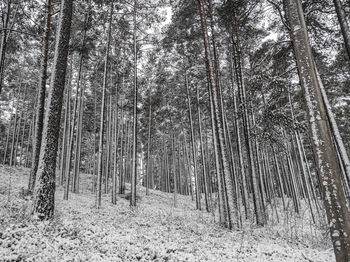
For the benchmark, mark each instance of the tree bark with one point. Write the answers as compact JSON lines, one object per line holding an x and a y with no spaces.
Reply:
{"x":40,"y":106}
{"x":44,"y":204}
{"x":324,"y":151}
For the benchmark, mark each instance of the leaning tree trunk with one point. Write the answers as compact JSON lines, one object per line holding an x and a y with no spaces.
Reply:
{"x":44,"y":203}
{"x":40,"y":107}
{"x":324,"y":151}
{"x":344,"y":158}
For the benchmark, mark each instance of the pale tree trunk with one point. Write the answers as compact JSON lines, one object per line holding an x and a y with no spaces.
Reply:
{"x":103,"y":113}
{"x":40,"y":107}
{"x":149,"y":145}
{"x":122,"y":164}
{"x":188,"y":163}
{"x":134,"y":131}
{"x":94,"y":179}
{"x":29,"y":141}
{"x":7,"y":140}
{"x":344,"y":158}
{"x":76,"y":172}
{"x":193,"y":146}
{"x":173,"y":145}
{"x":75,"y":121}
{"x":44,"y":203}
{"x":202,"y":154}
{"x":22,"y":138}
{"x":117,"y":129}
{"x":66,"y":132}
{"x":14,"y":130}
{"x":321,"y":137}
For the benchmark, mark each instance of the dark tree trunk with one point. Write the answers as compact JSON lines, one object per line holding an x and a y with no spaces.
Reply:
{"x":40,"y":106}
{"x":44,"y":203}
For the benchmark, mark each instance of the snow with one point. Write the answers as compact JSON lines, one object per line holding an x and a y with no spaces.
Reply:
{"x":154,"y":231}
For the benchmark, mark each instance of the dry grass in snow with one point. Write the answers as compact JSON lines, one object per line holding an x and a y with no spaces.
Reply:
{"x":154,"y":231}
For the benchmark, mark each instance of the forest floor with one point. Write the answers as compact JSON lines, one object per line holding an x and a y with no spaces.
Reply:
{"x":154,"y":231}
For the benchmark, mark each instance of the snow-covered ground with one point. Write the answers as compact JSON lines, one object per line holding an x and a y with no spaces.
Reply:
{"x":154,"y":231}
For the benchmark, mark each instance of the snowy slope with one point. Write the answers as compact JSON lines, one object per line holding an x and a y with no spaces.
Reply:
{"x":154,"y":231}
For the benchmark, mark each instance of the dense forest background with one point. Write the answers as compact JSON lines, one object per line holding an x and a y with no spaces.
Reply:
{"x":208,"y":99}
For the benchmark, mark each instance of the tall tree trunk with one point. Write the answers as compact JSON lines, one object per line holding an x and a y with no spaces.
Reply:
{"x":134,"y":131}
{"x":324,"y":151}
{"x":193,"y":147}
{"x":202,"y":155}
{"x":40,"y":107}
{"x":149,"y":145}
{"x":239,"y":145}
{"x":76,"y":169}
{"x":218,"y":118}
{"x":103,"y":112}
{"x":44,"y":203}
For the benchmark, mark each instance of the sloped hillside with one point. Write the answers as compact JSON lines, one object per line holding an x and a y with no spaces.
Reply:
{"x":154,"y":231}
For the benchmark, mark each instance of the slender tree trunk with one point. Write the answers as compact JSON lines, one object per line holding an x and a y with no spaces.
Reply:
{"x":40,"y":107}
{"x":103,"y":112}
{"x":122,"y":165}
{"x":29,"y":141}
{"x":134,"y":133}
{"x":149,"y":145}
{"x":202,"y":155}
{"x":14,"y":131}
{"x":193,"y":147}
{"x":174,"y":169}
{"x":7,"y":140}
{"x":3,"y":43}
{"x":76,"y":169}
{"x":94,"y":175}
{"x":65,"y":137}
{"x":239,"y":146}
{"x":218,"y":118}
{"x":344,"y":158}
